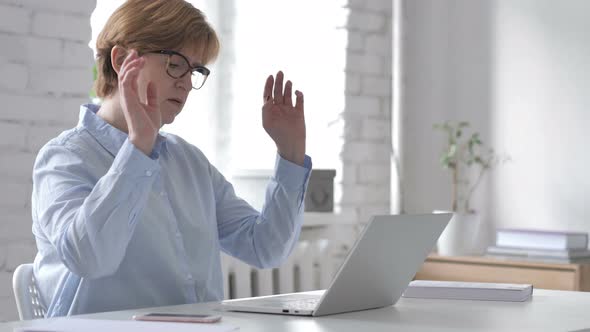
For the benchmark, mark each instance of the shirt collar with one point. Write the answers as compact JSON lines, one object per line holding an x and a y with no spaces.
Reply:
{"x":108,"y":136}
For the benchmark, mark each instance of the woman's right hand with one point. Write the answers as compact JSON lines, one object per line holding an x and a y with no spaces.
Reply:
{"x":143,"y":119}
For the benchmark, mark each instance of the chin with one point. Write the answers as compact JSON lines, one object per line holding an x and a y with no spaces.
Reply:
{"x":168,"y":116}
{"x":167,"y":120}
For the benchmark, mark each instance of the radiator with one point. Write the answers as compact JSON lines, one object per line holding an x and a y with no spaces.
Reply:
{"x":310,"y":267}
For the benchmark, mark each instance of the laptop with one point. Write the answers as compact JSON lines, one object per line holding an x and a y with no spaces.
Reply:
{"x":376,"y":272}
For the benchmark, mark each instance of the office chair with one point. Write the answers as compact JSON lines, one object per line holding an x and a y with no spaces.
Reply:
{"x":27,"y":296}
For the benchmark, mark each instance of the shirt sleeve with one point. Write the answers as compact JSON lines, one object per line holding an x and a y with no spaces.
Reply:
{"x":263,"y":239}
{"x":90,"y":221}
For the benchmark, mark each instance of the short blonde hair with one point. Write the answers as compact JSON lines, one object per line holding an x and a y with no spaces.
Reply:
{"x":150,"y":25}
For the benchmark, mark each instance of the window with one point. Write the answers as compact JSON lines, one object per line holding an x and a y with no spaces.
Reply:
{"x":306,"y":39}
{"x":303,"y":39}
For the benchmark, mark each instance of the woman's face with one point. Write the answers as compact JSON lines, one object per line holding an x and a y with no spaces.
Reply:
{"x":171,"y":92}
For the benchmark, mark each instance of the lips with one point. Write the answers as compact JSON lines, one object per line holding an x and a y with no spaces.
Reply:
{"x":175,"y":101}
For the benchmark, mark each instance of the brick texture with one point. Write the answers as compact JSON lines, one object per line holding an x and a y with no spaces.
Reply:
{"x":45,"y":74}
{"x":59,"y":25}
{"x":14,"y":19}
{"x":367,"y":148}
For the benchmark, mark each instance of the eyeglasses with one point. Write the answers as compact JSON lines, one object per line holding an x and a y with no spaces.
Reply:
{"x":178,"y":65}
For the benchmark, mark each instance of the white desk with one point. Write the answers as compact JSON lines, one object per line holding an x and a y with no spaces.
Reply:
{"x":548,"y":311}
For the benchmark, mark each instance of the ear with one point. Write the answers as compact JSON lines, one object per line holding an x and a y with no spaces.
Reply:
{"x":118,"y":55}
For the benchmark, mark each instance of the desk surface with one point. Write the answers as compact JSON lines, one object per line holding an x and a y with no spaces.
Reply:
{"x":547,"y":311}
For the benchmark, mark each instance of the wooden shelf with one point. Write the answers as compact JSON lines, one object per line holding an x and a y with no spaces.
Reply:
{"x":558,"y":276}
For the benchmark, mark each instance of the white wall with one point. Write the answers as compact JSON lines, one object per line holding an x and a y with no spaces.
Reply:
{"x":518,"y":71}
{"x":446,"y":76}
{"x":45,"y":73}
{"x":542,"y":56}
{"x":367,"y":115}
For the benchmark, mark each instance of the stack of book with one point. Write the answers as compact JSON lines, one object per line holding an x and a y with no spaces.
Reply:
{"x":537,"y":245}
{"x":458,"y":290}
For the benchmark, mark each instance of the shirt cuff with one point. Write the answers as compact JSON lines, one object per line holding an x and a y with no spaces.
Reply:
{"x":131,"y":161}
{"x":290,"y":175}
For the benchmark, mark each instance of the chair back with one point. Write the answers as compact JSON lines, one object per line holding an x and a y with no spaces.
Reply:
{"x":28,"y":299}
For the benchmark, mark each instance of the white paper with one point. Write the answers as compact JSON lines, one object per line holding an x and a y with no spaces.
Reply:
{"x":99,"y":325}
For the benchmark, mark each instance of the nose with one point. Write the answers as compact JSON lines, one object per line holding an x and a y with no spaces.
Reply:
{"x":184,"y":82}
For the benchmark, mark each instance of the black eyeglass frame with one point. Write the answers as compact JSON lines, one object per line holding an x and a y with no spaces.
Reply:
{"x":201,"y":69}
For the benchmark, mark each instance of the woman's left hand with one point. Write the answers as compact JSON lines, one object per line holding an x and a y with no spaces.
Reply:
{"x":283,"y":122}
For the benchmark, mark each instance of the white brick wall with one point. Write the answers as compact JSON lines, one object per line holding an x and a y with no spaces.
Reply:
{"x":367,"y":147}
{"x":59,"y":25}
{"x":12,"y":136}
{"x":14,"y":197}
{"x":61,"y":6}
{"x":15,"y":19}
{"x":45,"y":74}
{"x":42,"y":108}
{"x":42,"y":80}
{"x":362,"y":105}
{"x":14,"y":76}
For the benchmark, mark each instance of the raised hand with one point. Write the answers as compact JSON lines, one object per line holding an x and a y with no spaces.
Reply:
{"x":283,"y":122}
{"x":143,"y":119}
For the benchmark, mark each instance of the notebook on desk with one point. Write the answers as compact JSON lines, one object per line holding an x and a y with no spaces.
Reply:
{"x":375,"y":273}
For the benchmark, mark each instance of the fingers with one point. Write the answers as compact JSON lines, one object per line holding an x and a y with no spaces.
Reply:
{"x":287,"y":97}
{"x":267,"y":94}
{"x":128,"y":86}
{"x":273,"y":90}
{"x":152,"y":94}
{"x":299,"y":101}
{"x":128,"y":81}
{"x":129,"y":58}
{"x":130,"y":69}
{"x":278,"y":91}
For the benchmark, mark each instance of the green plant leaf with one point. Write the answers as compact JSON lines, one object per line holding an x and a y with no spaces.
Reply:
{"x":444,"y":161}
{"x":92,"y":93}
{"x":94,"y":72}
{"x":452,"y":149}
{"x":465,"y":150}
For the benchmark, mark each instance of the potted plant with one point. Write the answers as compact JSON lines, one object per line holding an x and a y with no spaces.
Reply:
{"x":467,"y":159}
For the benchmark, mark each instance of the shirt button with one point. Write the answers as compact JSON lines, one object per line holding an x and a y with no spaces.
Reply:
{"x":162,"y":193}
{"x":148,"y":173}
{"x":189,"y":277}
{"x":177,"y":234}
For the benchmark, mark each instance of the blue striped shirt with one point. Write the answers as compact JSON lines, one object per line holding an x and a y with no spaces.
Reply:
{"x":116,"y":229}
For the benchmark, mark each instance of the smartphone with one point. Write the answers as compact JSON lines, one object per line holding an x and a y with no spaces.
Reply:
{"x":182,"y":318}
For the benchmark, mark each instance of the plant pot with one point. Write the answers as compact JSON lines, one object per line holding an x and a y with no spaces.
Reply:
{"x":461,"y":236}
